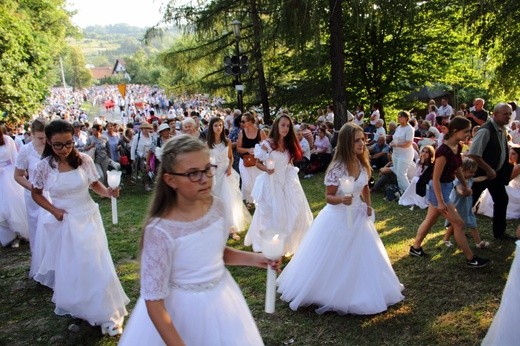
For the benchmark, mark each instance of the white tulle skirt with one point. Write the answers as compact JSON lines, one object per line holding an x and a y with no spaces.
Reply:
{"x":340,"y":269}
{"x":218,"y":316}
{"x":504,"y":329}
{"x":226,"y":188}
{"x":13,"y":214}
{"x":77,"y":263}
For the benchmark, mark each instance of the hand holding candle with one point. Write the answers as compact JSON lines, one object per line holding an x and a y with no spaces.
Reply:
{"x":114,"y":179}
{"x":272,"y":248}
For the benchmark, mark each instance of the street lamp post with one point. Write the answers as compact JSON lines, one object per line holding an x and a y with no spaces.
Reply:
{"x":238,"y":84}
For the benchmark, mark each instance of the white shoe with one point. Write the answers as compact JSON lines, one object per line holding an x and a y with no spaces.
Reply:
{"x":15,"y":243}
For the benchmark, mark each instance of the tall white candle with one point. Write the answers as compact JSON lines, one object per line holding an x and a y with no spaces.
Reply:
{"x":347,"y":187}
{"x":272,"y":248}
{"x":114,"y":179}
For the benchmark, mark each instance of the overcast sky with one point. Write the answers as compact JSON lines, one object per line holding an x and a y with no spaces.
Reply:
{"x":142,"y":13}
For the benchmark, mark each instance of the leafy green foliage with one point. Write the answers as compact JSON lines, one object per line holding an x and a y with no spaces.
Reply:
{"x":32,"y":35}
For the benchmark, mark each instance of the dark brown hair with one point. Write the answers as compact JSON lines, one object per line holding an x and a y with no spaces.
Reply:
{"x":53,"y":128}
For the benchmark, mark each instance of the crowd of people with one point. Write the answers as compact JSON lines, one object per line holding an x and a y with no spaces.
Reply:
{"x":215,"y":172}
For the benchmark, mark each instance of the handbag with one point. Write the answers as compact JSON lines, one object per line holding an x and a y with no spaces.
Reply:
{"x":123,"y":160}
{"x":249,"y":160}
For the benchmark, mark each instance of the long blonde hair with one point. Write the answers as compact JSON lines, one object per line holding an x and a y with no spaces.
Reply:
{"x":345,"y":153}
{"x":164,"y":197}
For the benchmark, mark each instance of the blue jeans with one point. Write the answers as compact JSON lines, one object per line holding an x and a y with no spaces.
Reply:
{"x":445,"y":191}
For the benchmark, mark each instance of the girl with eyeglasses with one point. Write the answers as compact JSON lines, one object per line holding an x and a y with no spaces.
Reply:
{"x":13,"y":214}
{"x":226,"y":180}
{"x":78,"y":264}
{"x":281,"y":204}
{"x":188,"y":297}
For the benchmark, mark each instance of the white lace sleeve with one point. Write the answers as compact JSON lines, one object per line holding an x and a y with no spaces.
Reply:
{"x":90,"y":168}
{"x":22,"y":160}
{"x":42,"y":173}
{"x":262,"y":150}
{"x":334,"y":174}
{"x":155,"y":263}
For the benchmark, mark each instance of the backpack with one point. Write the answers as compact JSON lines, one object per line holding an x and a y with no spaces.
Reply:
{"x":420,"y":187}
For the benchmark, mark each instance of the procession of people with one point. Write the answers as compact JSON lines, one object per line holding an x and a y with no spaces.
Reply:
{"x":214,"y":173}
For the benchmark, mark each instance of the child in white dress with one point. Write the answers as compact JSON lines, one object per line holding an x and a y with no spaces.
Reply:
{"x":281,"y":204}
{"x":79,"y":265}
{"x":410,"y":197}
{"x":188,"y":297}
{"x":226,"y":180}
{"x":342,"y":264}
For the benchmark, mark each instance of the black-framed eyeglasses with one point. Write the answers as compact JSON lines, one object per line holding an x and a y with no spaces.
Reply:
{"x":196,"y":176}
{"x":59,"y":146}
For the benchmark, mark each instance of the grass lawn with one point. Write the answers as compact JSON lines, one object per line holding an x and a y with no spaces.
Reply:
{"x":446,"y":303}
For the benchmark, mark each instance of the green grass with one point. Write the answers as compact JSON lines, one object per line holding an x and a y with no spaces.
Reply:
{"x":446,"y":303}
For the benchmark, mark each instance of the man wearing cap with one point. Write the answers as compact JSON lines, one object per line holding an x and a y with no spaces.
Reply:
{"x":141,"y":144}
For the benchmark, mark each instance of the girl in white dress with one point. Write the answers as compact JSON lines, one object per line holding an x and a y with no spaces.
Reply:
{"x":504,"y":329}
{"x":13,"y":214}
{"x":28,"y":157}
{"x":281,"y":204}
{"x":410,"y":197}
{"x":484,"y":206}
{"x":226,"y":179}
{"x":337,"y":267}
{"x":188,"y":297}
{"x":86,"y":285}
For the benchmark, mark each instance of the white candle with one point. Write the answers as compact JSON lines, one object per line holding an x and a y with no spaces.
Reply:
{"x":114,"y":179}
{"x":347,"y":187}
{"x":269,"y":163}
{"x":212,"y":160}
{"x":272,"y":248}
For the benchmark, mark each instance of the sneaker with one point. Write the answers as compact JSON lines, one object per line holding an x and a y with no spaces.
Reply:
{"x":147,"y":188}
{"x":417,"y":252}
{"x":448,"y":243}
{"x":15,"y":243}
{"x":412,"y":207}
{"x":483,"y":244}
{"x":477,"y":262}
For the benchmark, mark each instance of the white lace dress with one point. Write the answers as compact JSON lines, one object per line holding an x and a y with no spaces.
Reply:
{"x":485,"y":203}
{"x":182,"y":263}
{"x":409,"y":196}
{"x":27,"y":160}
{"x":78,"y":262}
{"x":13,"y":214}
{"x":281,"y":204}
{"x":340,"y":269}
{"x":504,"y":329}
{"x":226,"y":187}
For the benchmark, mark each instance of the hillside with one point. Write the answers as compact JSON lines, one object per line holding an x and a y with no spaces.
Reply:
{"x":102,"y":45}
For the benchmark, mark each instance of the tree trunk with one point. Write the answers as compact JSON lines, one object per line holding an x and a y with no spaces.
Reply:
{"x":257,"y":56}
{"x":337,"y":59}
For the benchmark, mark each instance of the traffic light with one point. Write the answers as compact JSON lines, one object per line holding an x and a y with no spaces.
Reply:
{"x":236,"y":65}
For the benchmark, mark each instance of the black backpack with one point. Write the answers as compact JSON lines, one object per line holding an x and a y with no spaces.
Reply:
{"x":420,"y":187}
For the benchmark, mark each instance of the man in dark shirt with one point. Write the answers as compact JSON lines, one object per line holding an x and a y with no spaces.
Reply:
{"x":479,"y":115}
{"x":379,"y":152}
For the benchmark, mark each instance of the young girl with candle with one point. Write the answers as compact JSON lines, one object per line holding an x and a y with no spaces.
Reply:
{"x":340,"y":268}
{"x":281,"y":204}
{"x":226,"y":179}
{"x":188,"y":297}
{"x":82,"y":272}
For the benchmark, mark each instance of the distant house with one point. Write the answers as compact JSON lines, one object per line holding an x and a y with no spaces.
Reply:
{"x":120,"y":68}
{"x":100,"y":73}
{"x":103,"y":72}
